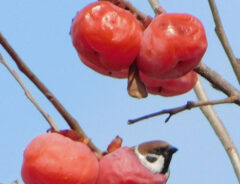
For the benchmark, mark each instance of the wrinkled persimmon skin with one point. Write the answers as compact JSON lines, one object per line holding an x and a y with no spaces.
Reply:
{"x":172,"y":45}
{"x":123,"y":167}
{"x":107,"y":38}
{"x":52,"y":158}
{"x":171,"y":87}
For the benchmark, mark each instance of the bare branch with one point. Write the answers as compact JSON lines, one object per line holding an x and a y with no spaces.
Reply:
{"x":219,"y":129}
{"x":29,"y":95}
{"x":189,"y":105}
{"x":223,"y":38}
{"x":72,"y":122}
{"x":217,"y":80}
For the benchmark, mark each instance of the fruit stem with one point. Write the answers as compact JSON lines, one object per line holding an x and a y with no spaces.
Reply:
{"x":140,"y":16}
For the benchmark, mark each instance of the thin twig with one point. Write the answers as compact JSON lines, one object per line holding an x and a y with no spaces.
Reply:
{"x":189,"y":105}
{"x":157,"y":8}
{"x":217,"y":80}
{"x":223,"y":38}
{"x":72,"y":122}
{"x":15,"y":182}
{"x":219,"y":129}
{"x":29,"y":95}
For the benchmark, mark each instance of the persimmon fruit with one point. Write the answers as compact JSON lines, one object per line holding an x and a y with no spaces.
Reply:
{"x":170,"y":87}
{"x":52,"y":158}
{"x":107,"y":38}
{"x":172,"y":45}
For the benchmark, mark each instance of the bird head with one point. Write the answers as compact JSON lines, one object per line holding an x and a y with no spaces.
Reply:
{"x":155,"y":155}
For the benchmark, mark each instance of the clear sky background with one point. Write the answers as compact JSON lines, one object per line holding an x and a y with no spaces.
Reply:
{"x":39,"y":31}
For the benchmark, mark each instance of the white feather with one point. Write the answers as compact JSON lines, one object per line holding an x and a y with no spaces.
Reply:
{"x":155,"y":167}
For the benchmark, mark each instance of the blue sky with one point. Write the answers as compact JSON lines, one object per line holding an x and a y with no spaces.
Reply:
{"x":39,"y":32}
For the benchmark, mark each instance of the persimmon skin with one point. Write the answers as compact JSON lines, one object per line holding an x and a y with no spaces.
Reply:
{"x":52,"y":158}
{"x":170,"y":87}
{"x":123,"y":167}
{"x":172,"y":45}
{"x":107,"y":38}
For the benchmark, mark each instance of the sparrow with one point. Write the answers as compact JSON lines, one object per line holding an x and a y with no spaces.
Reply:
{"x":146,"y":163}
{"x":155,"y":156}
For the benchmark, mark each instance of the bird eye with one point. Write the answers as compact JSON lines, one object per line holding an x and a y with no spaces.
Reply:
{"x":151,"y":158}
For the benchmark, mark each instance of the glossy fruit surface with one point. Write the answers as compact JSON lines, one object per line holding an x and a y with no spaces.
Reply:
{"x":107,"y":38}
{"x":171,"y":87}
{"x":123,"y":167}
{"x":52,"y":158}
{"x":172,"y":45}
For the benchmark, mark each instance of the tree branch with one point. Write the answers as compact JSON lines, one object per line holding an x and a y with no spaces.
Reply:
{"x":223,"y":38}
{"x":65,"y":114}
{"x":189,"y":105}
{"x":219,"y":129}
{"x":217,"y":81}
{"x":29,"y":95}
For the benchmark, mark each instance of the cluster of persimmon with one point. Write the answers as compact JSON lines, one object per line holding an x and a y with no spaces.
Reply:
{"x":60,"y":158}
{"x":108,"y":39}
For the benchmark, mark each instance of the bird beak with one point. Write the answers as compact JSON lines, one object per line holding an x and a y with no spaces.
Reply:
{"x":172,"y":150}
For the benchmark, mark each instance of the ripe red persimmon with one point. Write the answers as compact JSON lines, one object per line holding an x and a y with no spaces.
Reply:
{"x":107,"y":38}
{"x":171,"y":87}
{"x":123,"y":167}
{"x":172,"y":45}
{"x":52,"y":158}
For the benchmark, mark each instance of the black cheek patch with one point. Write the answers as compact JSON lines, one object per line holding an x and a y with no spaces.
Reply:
{"x":151,"y":159}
